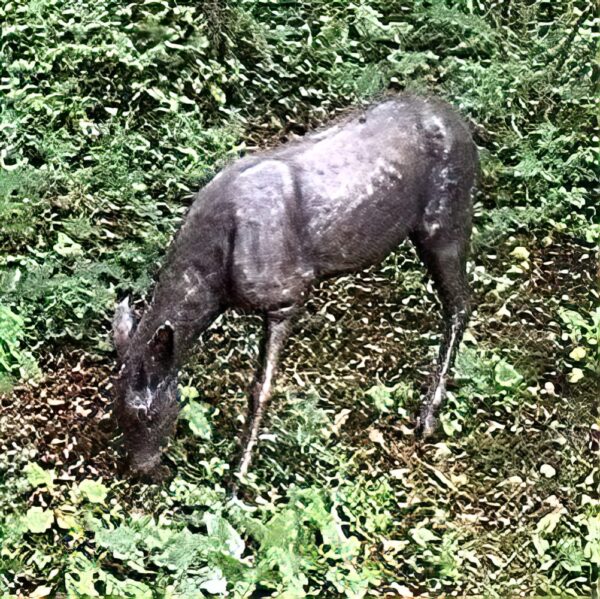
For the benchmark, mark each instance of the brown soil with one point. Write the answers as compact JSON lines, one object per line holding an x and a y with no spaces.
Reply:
{"x":65,"y":417}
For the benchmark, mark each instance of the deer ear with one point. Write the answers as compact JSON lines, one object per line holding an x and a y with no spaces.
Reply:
{"x":123,"y":325}
{"x":162,"y":344}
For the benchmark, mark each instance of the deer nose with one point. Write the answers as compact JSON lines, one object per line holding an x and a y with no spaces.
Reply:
{"x":142,"y":414}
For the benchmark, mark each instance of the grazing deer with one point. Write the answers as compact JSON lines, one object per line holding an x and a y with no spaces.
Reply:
{"x":271,"y":224}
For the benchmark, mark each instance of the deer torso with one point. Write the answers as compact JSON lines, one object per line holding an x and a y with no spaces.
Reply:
{"x":335,"y":201}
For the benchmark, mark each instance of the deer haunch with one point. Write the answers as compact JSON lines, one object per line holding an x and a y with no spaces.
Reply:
{"x":268,"y":226}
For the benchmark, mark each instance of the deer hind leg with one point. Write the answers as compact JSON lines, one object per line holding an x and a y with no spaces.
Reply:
{"x":445,"y":259}
{"x":278,"y":328}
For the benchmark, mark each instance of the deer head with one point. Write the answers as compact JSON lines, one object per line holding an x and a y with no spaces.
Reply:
{"x":147,"y":401}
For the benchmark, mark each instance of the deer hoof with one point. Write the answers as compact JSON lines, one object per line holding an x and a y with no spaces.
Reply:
{"x":426,"y":426}
{"x":156,"y":475}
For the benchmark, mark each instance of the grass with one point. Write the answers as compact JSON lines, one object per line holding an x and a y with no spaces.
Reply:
{"x":110,"y":118}
{"x":506,"y":504}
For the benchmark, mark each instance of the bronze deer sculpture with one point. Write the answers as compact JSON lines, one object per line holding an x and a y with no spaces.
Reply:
{"x":271,"y":224}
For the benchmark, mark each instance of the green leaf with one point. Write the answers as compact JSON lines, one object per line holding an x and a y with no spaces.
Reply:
{"x":215,"y":584}
{"x":209,"y":580}
{"x":65,"y":246}
{"x":81,"y":577}
{"x":506,"y":375}
{"x":592,"y":546}
{"x":521,"y":253}
{"x":92,"y":490}
{"x":578,"y":353}
{"x":541,"y":545}
{"x":217,"y":93}
{"x":573,"y":319}
{"x":181,"y":550}
{"x":121,"y":541}
{"x":549,"y":522}
{"x":547,"y":470}
{"x":196,"y":415}
{"x":189,"y":393}
{"x":38,"y":520}
{"x":422,"y":536}
{"x":382,"y":397}
{"x":37,"y":476}
{"x":41,"y":591}
{"x":224,"y":534}
{"x":127,"y":588}
{"x":575,"y":375}
{"x":572,"y":554}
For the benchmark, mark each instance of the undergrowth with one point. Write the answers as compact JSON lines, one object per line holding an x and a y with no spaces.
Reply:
{"x":111,"y":116}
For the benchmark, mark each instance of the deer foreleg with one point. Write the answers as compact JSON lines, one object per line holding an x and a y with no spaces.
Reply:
{"x":277,"y":333}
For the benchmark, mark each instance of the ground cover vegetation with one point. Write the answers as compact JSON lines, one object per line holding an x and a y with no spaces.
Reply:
{"x":111,"y":115}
